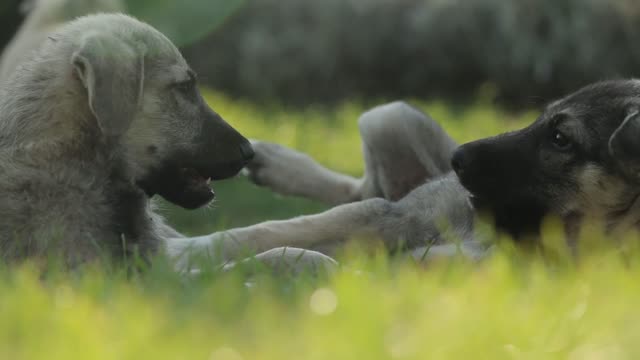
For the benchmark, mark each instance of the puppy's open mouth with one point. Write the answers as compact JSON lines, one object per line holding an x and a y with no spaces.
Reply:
{"x":187,"y":187}
{"x":195,"y":181}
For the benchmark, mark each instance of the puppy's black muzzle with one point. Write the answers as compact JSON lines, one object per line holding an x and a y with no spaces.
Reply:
{"x":460,"y":161}
{"x":500,"y":174}
{"x":247,"y":151}
{"x":221,"y":151}
{"x":496,"y":167}
{"x":479,"y":166}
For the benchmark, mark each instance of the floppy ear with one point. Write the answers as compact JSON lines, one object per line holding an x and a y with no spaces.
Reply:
{"x":112,"y":71}
{"x":624,"y":145}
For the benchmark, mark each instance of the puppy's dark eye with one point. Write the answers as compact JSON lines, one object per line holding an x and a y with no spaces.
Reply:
{"x":185,"y":86}
{"x":560,"y":141}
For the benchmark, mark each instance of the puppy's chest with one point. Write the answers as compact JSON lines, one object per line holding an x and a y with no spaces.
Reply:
{"x":132,"y":223}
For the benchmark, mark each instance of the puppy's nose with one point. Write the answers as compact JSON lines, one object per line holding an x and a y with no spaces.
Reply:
{"x":459,"y":160}
{"x":247,"y":151}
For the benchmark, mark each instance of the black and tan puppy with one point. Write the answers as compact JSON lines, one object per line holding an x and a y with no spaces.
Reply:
{"x":579,"y":159}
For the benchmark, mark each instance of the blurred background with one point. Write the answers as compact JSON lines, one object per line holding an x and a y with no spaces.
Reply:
{"x":299,"y":72}
{"x":304,"y":52}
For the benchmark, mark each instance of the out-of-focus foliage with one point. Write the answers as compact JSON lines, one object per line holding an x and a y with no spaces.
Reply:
{"x":184,"y":21}
{"x":304,"y":51}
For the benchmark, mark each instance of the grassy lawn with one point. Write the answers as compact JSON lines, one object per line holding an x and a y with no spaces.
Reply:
{"x":511,"y":307}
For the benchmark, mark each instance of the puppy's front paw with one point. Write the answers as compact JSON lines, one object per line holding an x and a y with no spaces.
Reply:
{"x":262,"y":170}
{"x":275,"y":166}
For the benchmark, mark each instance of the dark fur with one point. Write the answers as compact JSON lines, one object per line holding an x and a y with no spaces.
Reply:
{"x":523,"y":176}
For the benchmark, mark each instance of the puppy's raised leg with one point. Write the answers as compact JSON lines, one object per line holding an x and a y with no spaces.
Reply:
{"x":368,"y":217}
{"x":432,"y":212}
{"x":403,"y":148}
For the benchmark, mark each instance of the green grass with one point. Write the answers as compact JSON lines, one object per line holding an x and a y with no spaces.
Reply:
{"x":503,"y":309}
{"x":511,"y":307}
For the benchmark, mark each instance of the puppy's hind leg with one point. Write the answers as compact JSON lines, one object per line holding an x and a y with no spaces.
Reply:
{"x":411,"y":222}
{"x":403,"y":148}
{"x":376,"y":218}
